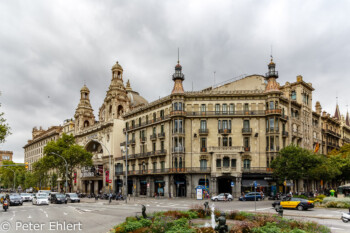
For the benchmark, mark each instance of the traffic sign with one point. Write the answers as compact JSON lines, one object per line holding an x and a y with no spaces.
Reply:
{"x":109,"y":181}
{"x":255,"y":184}
{"x":232,"y":184}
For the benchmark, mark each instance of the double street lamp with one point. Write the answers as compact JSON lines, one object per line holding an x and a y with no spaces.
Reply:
{"x":66,"y":167}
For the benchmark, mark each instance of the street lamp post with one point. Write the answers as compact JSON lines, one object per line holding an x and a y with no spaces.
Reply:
{"x":14,"y":178}
{"x":126,"y":167}
{"x":110,"y":166}
{"x":66,"y":167}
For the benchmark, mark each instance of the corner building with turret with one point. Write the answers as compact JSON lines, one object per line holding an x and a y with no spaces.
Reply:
{"x":223,"y":137}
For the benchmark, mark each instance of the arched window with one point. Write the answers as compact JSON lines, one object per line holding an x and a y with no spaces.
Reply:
{"x":86,"y":123}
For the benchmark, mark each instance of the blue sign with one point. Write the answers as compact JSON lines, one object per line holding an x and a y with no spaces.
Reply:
{"x":232,"y":184}
{"x":255,"y":184}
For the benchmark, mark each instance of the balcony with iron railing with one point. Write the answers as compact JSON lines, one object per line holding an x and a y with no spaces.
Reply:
{"x":271,"y":74}
{"x":246,"y":130}
{"x":161,"y":135}
{"x":226,"y":113}
{"x":275,"y":111}
{"x":225,"y":131}
{"x":226,"y":149}
{"x":203,"y":131}
{"x":178,"y":113}
{"x":143,"y":139}
{"x":284,"y":134}
{"x":284,"y":117}
{"x":331,"y":132}
{"x":272,"y":130}
{"x":257,"y":170}
{"x":170,"y":170}
{"x":147,"y":123}
{"x":153,"y":137}
{"x":179,"y":149}
{"x":161,"y":152}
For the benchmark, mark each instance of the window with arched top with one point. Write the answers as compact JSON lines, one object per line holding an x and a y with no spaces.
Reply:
{"x":86,"y":123}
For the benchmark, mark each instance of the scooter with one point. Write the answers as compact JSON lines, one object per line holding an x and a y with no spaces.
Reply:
{"x":5,"y":206}
{"x":345,"y":217}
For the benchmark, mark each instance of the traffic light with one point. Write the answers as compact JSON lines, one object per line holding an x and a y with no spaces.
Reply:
{"x":26,"y":165}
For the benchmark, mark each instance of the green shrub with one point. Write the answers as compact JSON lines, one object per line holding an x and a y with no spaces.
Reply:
{"x":321,"y":196}
{"x":301,"y":196}
{"x":268,"y":228}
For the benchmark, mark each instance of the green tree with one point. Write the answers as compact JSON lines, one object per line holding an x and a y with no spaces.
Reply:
{"x":294,"y":163}
{"x":74,"y":154}
{"x":4,"y":127}
{"x":341,"y":159}
{"x":8,"y":176}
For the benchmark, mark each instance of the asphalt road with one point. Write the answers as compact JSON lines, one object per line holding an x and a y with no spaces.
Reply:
{"x":98,"y":217}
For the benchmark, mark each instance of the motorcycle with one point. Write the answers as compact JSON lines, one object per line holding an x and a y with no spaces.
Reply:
{"x":5,"y":206}
{"x":345,"y":217}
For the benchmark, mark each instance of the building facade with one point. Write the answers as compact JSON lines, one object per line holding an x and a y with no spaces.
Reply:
{"x":223,"y":137}
{"x":5,"y":156}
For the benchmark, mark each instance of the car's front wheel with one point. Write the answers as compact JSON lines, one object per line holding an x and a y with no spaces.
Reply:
{"x":259,"y":199}
{"x":230,"y":199}
{"x":300,"y":207}
{"x":215,"y":199}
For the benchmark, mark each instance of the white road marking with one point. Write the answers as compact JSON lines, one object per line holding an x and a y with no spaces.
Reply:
{"x":29,"y":216}
{"x":263,"y":209}
{"x":335,"y":228}
{"x":14,"y":213}
{"x":65,"y":213}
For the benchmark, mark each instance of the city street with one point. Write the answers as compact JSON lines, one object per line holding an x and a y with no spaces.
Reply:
{"x":96,"y":217}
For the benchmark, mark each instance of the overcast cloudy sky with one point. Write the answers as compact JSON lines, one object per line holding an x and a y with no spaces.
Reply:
{"x":48,"y":49}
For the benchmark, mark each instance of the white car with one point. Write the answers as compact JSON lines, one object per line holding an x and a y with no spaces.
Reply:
{"x":26,"y":196}
{"x":40,"y":200}
{"x":221,"y":197}
{"x":72,"y":197}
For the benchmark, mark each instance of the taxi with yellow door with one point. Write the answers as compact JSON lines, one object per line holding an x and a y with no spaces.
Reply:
{"x":294,"y":203}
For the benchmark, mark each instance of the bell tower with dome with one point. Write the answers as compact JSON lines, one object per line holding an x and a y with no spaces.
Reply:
{"x":116,"y":102}
{"x":84,"y":116}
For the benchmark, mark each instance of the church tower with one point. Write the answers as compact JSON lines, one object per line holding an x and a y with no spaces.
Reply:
{"x":116,"y":102}
{"x":84,"y":116}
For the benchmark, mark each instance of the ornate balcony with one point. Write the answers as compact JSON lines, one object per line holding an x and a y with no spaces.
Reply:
{"x":143,"y":139}
{"x":178,"y":113}
{"x":247,"y":131}
{"x":203,"y":131}
{"x":225,"y":131}
{"x":161,"y":152}
{"x":276,"y":111}
{"x":161,"y":135}
{"x":153,"y":137}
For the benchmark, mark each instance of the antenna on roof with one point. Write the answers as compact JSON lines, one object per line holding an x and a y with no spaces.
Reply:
{"x":271,"y":52}
{"x":178,"y":55}
{"x":337,"y":98}
{"x":214,"y":77}
{"x":192,"y":85}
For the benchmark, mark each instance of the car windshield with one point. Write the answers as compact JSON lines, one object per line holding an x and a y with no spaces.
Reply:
{"x":42,"y":197}
{"x":60,"y":195}
{"x":24,"y":194}
{"x":15,"y":196}
{"x":73,"y":195}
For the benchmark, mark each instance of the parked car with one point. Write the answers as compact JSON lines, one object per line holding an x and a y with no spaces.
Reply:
{"x":45,"y":191}
{"x":294,"y":203}
{"x":72,"y":197}
{"x":40,"y":200}
{"x":58,"y":198}
{"x":221,"y":197}
{"x":252,"y":196}
{"x":15,"y":199}
{"x":26,"y":196}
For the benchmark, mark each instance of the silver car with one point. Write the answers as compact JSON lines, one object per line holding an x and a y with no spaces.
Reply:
{"x":26,"y":196}
{"x":221,"y":197}
{"x":72,"y":197}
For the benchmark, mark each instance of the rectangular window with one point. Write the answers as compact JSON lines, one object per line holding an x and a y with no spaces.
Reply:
{"x":229,"y":141}
{"x":224,"y":108}
{"x":224,"y":141}
{"x":272,"y":143}
{"x":233,"y":162}
{"x":162,"y":165}
{"x":272,"y":123}
{"x":219,"y":142}
{"x":154,"y":167}
{"x":162,"y":128}
{"x":218,"y":163}
{"x":246,"y":107}
{"x":271,"y":105}
{"x":153,"y":146}
{"x":203,"y":164}
{"x":246,"y":124}
{"x":203,"y":124}
{"x":162,"y":145}
{"x":232,"y":108}
{"x":217,"y":109}
{"x":219,"y":124}
{"x":294,"y":95}
{"x":203,"y":143}
{"x":246,"y":142}
{"x":203,"y":108}
{"x":175,"y":107}
{"x":224,"y":124}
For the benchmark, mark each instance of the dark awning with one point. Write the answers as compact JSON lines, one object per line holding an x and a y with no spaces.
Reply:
{"x":250,"y":183}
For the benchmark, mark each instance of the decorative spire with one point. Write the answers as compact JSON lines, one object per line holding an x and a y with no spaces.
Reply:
{"x":347,"y":120}
{"x":178,"y":77}
{"x":128,"y":87}
{"x":337,"y":112}
{"x":271,"y":77}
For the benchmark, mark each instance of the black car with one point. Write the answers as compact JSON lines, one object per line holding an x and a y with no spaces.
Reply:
{"x":15,"y":199}
{"x":58,"y":198}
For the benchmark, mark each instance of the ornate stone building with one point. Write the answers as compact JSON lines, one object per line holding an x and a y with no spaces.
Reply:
{"x":5,"y":156}
{"x":224,"y":137}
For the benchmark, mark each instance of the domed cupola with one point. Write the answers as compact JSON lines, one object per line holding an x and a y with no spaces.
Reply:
{"x":178,"y":77}
{"x":271,"y":77}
